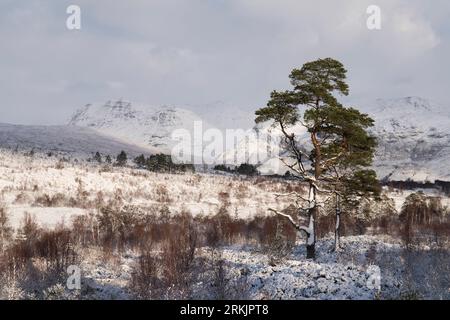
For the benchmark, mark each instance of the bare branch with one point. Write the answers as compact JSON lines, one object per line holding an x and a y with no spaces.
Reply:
{"x":303,"y":175}
{"x":296,"y":225}
{"x":290,"y":139}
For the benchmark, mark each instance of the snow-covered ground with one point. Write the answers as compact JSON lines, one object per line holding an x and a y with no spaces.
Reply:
{"x":24,"y":179}
{"x":349,"y":274}
{"x":368,"y":267}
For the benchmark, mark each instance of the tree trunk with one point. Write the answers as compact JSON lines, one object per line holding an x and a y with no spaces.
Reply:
{"x":310,"y":252}
{"x":311,"y":236}
{"x":337,"y":243}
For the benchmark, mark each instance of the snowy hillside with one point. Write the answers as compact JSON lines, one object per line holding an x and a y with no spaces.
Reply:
{"x":414,"y":138}
{"x":413,"y":135}
{"x":145,"y":126}
{"x":68,"y":140}
{"x":57,"y":197}
{"x":261,"y":145}
{"x":224,"y":115}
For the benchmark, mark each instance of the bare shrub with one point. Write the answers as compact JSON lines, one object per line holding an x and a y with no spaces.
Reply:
{"x":145,"y":282}
{"x":242,"y":191}
{"x":211,"y":232}
{"x":225,"y":229}
{"x":441,"y":233}
{"x":27,"y":236}
{"x":178,"y":252}
{"x":22,"y":198}
{"x":99,"y":200}
{"x":37,"y":259}
{"x":426,"y":274}
{"x":295,"y":187}
{"x":326,"y":224}
{"x":170,"y":273}
{"x":220,"y":279}
{"x":114,"y":227}
{"x":227,"y":286}
{"x":57,"y":200}
{"x":224,"y":198}
{"x":59,"y":165}
{"x":420,"y":217}
{"x":56,"y":248}
{"x":162,"y":194}
{"x":85,"y":229}
{"x":43,"y":201}
{"x":81,"y":198}
{"x":5,"y":229}
{"x":280,"y":245}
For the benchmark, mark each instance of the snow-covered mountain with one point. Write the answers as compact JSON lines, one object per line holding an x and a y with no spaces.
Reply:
{"x":164,"y":128}
{"x":68,"y":140}
{"x":224,"y":115}
{"x":160,"y":128}
{"x":414,"y":138}
{"x":413,"y":135}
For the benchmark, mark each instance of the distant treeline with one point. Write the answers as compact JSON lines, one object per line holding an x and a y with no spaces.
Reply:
{"x":162,"y":163}
{"x":409,"y":184}
{"x":244,"y":169}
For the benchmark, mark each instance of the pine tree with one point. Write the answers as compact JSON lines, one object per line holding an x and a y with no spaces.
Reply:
{"x":121,"y":159}
{"x":98,"y":157}
{"x":349,"y":153}
{"x":340,"y":143}
{"x":140,"y":161}
{"x":247,"y":169}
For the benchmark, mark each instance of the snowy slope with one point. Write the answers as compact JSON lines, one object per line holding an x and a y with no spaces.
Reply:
{"x":262,"y":146}
{"x":224,"y":115}
{"x":413,"y":135}
{"x":146,"y":126}
{"x":68,"y":140}
{"x":414,"y":138}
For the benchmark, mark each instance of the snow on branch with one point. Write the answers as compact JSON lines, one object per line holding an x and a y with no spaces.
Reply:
{"x":296,"y":225}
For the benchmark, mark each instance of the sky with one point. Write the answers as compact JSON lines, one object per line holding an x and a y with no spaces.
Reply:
{"x":199,"y":52}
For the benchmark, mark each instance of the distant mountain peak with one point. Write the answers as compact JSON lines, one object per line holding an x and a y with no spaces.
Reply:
{"x":395,"y":106}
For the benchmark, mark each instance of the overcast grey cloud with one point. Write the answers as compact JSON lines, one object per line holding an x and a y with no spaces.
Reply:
{"x":200,"y":51}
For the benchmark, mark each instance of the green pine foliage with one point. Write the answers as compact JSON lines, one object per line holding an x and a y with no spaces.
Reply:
{"x":246,"y":169}
{"x":121,"y":159}
{"x":98,"y":157}
{"x":342,"y":149}
{"x":162,"y":163}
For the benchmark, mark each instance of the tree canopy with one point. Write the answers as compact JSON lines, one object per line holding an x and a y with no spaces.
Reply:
{"x":341,"y":147}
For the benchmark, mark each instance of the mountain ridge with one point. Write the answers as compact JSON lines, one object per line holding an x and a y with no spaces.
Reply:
{"x":66,"y":140}
{"x":413,"y":134}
